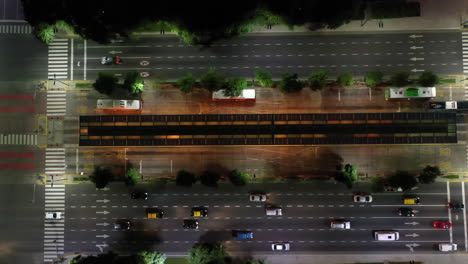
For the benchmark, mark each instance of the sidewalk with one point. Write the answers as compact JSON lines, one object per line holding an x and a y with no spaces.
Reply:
{"x":435,"y":15}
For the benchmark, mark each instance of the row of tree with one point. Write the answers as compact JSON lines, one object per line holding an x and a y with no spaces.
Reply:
{"x":200,"y":253}
{"x":211,"y":178}
{"x":212,"y":80}
{"x":195,"y":22}
{"x":405,"y":180}
{"x":101,"y":176}
{"x":289,"y":83}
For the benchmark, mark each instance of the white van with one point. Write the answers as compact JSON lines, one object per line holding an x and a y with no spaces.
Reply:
{"x":274,"y":211}
{"x":386,"y":235}
{"x":447,"y":247}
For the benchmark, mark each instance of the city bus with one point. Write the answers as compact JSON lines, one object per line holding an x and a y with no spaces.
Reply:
{"x":410,"y":93}
{"x":247,"y":95}
{"x":117,"y":107}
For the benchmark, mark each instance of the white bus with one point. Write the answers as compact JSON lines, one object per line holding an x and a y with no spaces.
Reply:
{"x":247,"y":95}
{"x":410,"y":93}
{"x":107,"y":104}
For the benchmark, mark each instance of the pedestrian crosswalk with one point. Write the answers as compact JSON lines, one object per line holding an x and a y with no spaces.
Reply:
{"x":55,"y":161}
{"x":58,"y":59}
{"x":56,"y":102}
{"x":14,"y":139}
{"x":15,"y":28}
{"x":464,"y":36}
{"x":54,"y":222}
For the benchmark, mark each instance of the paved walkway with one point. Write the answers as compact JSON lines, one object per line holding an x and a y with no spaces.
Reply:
{"x":435,"y":15}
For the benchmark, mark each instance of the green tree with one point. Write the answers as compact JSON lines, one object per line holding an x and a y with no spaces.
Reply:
{"x":345,"y":79}
{"x":429,"y":174}
{"x":317,"y":80}
{"x":239,"y":178}
{"x":206,"y":253}
{"x":400,"y":79}
{"x":133,"y":82}
{"x":132,"y":176}
{"x":101,"y":176}
{"x":187,"y":82}
{"x":212,"y":80}
{"x":235,"y":86}
{"x":185,"y":178}
{"x":377,"y":184}
{"x":264,"y":78}
{"x":150,"y":257}
{"x":402,"y":179}
{"x":44,"y":32}
{"x":374,"y":78}
{"x":105,"y":83}
{"x":428,"y":79}
{"x":210,"y":178}
{"x":346,"y":174}
{"x":290,"y":83}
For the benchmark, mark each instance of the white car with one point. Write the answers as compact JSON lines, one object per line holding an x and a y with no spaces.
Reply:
{"x":362,"y":198}
{"x":280,"y":246}
{"x":447,"y":247}
{"x":258,"y":197}
{"x":53,"y":215}
{"x":340,"y":224}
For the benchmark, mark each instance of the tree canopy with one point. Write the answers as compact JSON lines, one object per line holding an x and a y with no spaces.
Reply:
{"x":103,"y":22}
{"x":429,"y":174}
{"x":206,"y":253}
{"x":264,"y":78}
{"x":400,"y":79}
{"x":187,"y":82}
{"x":345,"y":79}
{"x":402,"y":179}
{"x":374,"y":78}
{"x":106,"y":83}
{"x":239,"y":178}
{"x":133,"y":82}
{"x":185,"y":178}
{"x":317,"y":80}
{"x":346,"y":174}
{"x":428,"y":79}
{"x":101,"y":176}
{"x":210,"y":178}
{"x":213,"y":80}
{"x":235,"y":86}
{"x":132,"y":176}
{"x":290,"y":83}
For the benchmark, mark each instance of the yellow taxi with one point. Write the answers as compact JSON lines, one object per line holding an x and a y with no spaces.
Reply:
{"x":199,"y":212}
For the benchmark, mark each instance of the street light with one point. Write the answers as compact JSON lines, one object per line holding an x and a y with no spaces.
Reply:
{"x":125,"y":161}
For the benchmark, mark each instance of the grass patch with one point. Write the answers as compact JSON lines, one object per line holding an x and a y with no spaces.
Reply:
{"x":83,"y":85}
{"x":451,"y":176}
{"x":448,"y":80}
{"x":80,"y":178}
{"x":176,"y":261}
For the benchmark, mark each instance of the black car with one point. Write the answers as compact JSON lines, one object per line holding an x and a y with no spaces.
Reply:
{"x":408,"y":212}
{"x":456,"y":206}
{"x":122,"y":224}
{"x":190,"y":224}
{"x":139,"y":195}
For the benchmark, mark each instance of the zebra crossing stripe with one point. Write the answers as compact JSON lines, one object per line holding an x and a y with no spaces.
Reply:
{"x":14,"y":139}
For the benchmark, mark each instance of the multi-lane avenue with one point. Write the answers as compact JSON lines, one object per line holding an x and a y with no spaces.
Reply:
{"x":308,"y":209}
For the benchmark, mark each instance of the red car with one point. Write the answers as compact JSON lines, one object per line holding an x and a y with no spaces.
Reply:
{"x":442,"y":224}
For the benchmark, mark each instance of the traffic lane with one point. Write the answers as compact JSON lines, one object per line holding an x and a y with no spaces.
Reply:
{"x":339,"y":246}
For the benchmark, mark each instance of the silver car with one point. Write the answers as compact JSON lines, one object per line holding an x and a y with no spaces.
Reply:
{"x":363,"y":198}
{"x":340,"y":224}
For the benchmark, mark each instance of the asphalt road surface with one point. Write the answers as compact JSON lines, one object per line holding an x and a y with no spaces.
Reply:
{"x":439,"y":52}
{"x":308,"y":209}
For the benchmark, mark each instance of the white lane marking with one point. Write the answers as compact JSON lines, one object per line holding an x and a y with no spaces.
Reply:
{"x":464,"y":215}
{"x":71,"y":60}
{"x":448,"y":211}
